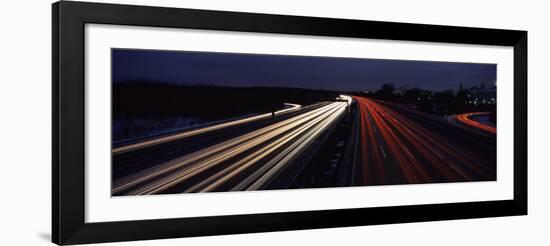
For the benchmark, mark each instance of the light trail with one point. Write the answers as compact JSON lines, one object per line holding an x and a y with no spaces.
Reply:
{"x":421,"y":155}
{"x":294,"y":150}
{"x":467,"y":119}
{"x":257,"y":145}
{"x":186,"y":134}
{"x":269,"y":170}
{"x":428,"y":150}
{"x":158,"y":170}
{"x":370,"y":153}
{"x":393,"y":145}
{"x":440,"y":152}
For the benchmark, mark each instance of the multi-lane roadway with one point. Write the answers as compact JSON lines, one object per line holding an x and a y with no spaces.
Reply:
{"x":401,"y":145}
{"x":245,"y":154}
{"x":387,"y":144}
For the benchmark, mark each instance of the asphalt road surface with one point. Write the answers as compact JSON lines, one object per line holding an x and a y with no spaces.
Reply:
{"x":387,"y":143}
{"x":399,"y":145}
{"x":245,"y":154}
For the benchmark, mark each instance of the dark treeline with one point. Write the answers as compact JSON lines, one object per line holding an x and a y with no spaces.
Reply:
{"x":441,"y":103}
{"x":146,"y":99}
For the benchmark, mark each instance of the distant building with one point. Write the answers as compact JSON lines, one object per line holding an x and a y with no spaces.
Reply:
{"x":482,"y":96}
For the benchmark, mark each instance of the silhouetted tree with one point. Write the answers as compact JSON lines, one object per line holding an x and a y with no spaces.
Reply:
{"x":386,"y":92}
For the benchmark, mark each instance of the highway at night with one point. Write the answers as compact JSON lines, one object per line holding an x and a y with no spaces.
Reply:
{"x":387,"y":143}
{"x":401,"y":145}
{"x":252,"y":153}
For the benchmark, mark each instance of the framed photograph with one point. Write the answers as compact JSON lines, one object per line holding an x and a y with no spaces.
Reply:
{"x":175,"y":122}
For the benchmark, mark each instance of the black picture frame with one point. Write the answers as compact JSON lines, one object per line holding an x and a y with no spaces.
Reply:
{"x":68,"y":172}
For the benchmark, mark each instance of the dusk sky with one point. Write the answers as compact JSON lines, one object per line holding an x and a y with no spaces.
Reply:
{"x":243,"y":70}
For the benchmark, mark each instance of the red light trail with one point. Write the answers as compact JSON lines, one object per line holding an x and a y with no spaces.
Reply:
{"x":420,"y":154}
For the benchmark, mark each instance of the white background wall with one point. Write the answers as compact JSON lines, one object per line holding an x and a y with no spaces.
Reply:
{"x":25,"y":102}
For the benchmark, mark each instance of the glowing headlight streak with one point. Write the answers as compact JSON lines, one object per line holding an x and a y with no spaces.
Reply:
{"x":192,"y":164}
{"x":177,"y":136}
{"x":235,"y":169}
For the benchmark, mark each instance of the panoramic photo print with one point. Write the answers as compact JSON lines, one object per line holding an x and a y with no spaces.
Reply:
{"x":188,"y":122}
